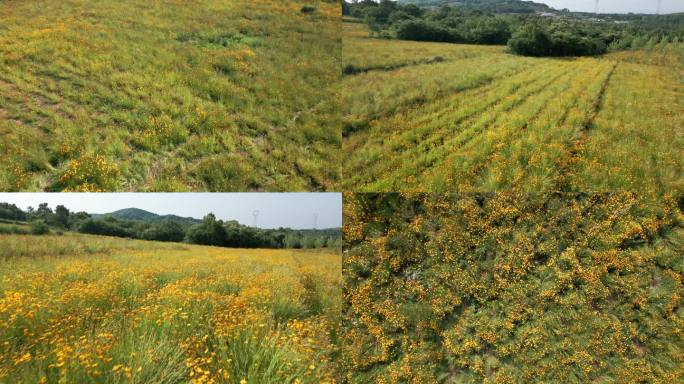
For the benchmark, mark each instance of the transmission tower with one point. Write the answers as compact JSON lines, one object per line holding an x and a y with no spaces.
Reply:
{"x":596,"y":7}
{"x":660,"y":3}
{"x":256,"y":217}
{"x":315,"y":220}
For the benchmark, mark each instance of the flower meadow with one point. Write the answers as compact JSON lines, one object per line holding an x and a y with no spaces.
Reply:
{"x":440,"y":117}
{"x":91,"y":309}
{"x":512,"y":288}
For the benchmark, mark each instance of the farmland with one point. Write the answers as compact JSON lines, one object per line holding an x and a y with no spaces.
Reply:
{"x":81,"y":308}
{"x":168,"y":95}
{"x":450,"y":117}
{"x":512,"y":288}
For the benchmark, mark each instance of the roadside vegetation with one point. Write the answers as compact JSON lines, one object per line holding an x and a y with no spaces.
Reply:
{"x":169,"y":95}
{"x":91,"y":309}
{"x":512,"y":288}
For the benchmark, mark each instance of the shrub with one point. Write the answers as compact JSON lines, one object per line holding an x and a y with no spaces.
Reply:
{"x":531,"y":40}
{"x":420,"y":30}
{"x":39,"y":227}
{"x":536,"y":40}
{"x":308,"y":9}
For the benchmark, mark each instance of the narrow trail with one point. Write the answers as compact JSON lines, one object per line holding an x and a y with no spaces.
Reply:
{"x":574,"y":148}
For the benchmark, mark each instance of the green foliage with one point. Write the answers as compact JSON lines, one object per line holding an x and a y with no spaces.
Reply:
{"x":39,"y":227}
{"x":514,"y":23}
{"x":536,"y":40}
{"x":209,"y":232}
{"x":11,"y":212}
{"x":256,"y":359}
{"x":104,"y":228}
{"x":422,"y":30}
{"x":166,"y":230}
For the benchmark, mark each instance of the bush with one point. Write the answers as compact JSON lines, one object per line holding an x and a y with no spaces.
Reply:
{"x":166,"y":230}
{"x":308,"y":9}
{"x":531,"y":40}
{"x":420,"y":30}
{"x":39,"y":227}
{"x":536,"y":40}
{"x":105,"y":228}
{"x":12,"y":230}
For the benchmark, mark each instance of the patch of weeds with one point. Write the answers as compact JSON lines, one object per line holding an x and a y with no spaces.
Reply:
{"x":283,"y":310}
{"x":255,"y":358}
{"x":220,"y":40}
{"x":224,"y":173}
{"x":353,"y":126}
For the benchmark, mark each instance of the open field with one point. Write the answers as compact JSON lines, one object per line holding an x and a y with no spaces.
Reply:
{"x":449,"y":117}
{"x":168,"y":95}
{"x":512,"y":288}
{"x":91,"y":309}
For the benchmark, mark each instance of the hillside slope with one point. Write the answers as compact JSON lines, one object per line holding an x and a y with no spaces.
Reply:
{"x":168,"y":95}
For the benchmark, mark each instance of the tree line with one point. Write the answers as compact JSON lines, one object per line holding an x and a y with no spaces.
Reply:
{"x":525,"y":33}
{"x":208,"y":231}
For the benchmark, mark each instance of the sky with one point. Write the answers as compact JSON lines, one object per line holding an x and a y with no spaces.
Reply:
{"x":618,"y":6}
{"x":290,"y":210}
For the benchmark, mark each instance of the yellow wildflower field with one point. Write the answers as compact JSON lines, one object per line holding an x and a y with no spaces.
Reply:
{"x":424,"y":116}
{"x":78,"y":308}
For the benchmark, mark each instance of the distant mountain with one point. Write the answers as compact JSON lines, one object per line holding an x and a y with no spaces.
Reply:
{"x":493,"y":6}
{"x":143,"y":215}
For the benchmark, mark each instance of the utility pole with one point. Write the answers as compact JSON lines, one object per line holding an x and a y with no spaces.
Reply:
{"x":256,"y":217}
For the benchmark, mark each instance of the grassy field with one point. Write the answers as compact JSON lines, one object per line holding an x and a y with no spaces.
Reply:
{"x":168,"y":95}
{"x":88,"y":309}
{"x":512,"y":288}
{"x":448,"y":117}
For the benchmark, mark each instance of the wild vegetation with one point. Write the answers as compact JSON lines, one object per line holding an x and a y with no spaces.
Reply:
{"x":92,"y":309}
{"x":428,"y":116}
{"x":168,"y":95}
{"x":513,"y":288}
{"x":139,"y":224}
{"x":516,"y":23}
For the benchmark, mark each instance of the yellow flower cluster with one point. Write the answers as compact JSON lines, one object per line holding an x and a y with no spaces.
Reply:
{"x":134,"y":311}
{"x":509,"y":287}
{"x":90,"y":173}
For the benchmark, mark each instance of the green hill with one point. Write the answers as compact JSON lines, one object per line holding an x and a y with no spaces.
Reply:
{"x":138,"y":214}
{"x":494,"y":6}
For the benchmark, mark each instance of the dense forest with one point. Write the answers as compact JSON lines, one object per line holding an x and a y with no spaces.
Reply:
{"x":521,"y":27}
{"x":139,"y":224}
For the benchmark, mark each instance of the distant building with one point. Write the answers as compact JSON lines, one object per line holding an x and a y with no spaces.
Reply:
{"x":546,"y":14}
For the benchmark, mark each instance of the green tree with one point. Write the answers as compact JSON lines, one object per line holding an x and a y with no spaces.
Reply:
{"x":209,"y":232}
{"x":165,"y":230}
{"x":61,"y":216}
